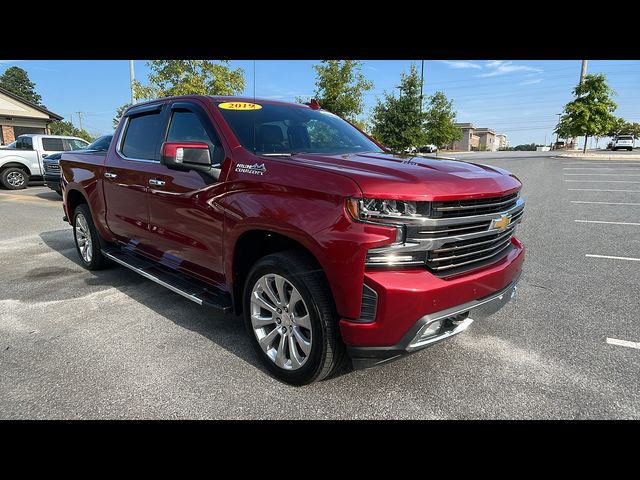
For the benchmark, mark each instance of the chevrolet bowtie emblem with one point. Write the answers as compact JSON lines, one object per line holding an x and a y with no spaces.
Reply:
{"x":501,"y":223}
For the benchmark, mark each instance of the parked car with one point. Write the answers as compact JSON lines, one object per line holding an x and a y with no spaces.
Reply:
{"x":22,"y":160}
{"x":51,"y":162}
{"x":324,"y":241}
{"x":431,"y":148}
{"x":622,"y":141}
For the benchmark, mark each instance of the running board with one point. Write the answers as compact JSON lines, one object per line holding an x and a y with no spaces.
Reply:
{"x":190,"y":288}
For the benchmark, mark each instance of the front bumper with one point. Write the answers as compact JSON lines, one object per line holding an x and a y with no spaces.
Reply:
{"x":52,"y":181}
{"x":453,"y":321}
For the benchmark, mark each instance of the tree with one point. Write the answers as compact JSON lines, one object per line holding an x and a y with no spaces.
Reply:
{"x":119,"y":112}
{"x":619,"y":125}
{"x":67,"y":128}
{"x":590,"y":112}
{"x":186,"y":77}
{"x":340,"y":87}
{"x":17,"y":81}
{"x":398,"y":123}
{"x":440,"y":121}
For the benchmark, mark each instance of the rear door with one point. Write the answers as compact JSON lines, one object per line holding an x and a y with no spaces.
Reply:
{"x":126,"y":175}
{"x":188,"y":226}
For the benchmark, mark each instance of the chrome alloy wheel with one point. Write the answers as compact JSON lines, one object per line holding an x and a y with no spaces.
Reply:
{"x":83,"y":238}
{"x":16,"y":179}
{"x":281,"y":321}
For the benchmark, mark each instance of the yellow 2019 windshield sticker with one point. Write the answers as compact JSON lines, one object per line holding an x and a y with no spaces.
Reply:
{"x":239,"y":106}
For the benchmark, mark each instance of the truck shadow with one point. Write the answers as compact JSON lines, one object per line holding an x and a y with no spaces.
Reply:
{"x":51,"y":196}
{"x":226,"y":331}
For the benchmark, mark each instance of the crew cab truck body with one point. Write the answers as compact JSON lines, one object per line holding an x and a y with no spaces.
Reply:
{"x":324,"y":241}
{"x":24,"y":160}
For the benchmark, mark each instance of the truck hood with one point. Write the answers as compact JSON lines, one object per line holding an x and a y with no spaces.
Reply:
{"x":400,"y":177}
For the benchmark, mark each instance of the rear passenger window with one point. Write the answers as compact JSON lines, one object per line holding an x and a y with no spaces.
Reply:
{"x":142,"y":137}
{"x":52,"y":144}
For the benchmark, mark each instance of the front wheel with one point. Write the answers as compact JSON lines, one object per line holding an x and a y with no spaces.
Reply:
{"x":290,"y":316}
{"x":14,"y":178}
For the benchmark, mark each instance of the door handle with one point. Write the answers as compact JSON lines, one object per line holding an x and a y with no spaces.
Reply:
{"x":110,"y":175}
{"x":157,"y":183}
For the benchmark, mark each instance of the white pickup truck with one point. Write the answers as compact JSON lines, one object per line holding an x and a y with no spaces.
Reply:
{"x":21,"y":160}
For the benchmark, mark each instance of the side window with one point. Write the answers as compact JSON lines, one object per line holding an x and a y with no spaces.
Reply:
{"x":186,"y":127}
{"x":24,"y":143}
{"x":142,"y":136}
{"x":75,"y":144}
{"x":52,"y":144}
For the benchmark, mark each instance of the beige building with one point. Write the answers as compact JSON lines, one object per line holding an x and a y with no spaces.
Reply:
{"x":475,"y":139}
{"x":502,"y":140}
{"x":18,"y":116}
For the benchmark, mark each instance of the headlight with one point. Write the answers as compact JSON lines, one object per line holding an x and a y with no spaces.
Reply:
{"x":386,"y":211}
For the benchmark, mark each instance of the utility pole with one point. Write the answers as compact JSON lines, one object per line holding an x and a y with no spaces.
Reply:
{"x":80,"y":119}
{"x":421,"y":83}
{"x":132,"y":77}
{"x":583,"y":70}
{"x":583,"y":73}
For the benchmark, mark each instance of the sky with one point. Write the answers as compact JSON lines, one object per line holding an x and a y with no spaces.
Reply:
{"x":519,"y":98}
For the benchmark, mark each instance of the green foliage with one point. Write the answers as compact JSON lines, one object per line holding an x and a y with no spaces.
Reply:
{"x":67,"y":128}
{"x":619,"y":125}
{"x":340,"y":87}
{"x":589,"y":114}
{"x":440,"y":121}
{"x":187,"y":77}
{"x":527,"y":147}
{"x":397,"y":122}
{"x":119,"y":112}
{"x":17,"y":81}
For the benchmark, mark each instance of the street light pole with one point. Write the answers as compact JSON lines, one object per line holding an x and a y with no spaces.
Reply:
{"x":583,"y":70}
{"x":132,"y":77}
{"x":557,"y":132}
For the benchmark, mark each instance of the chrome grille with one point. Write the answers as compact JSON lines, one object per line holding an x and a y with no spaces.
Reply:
{"x":51,"y":167}
{"x":479,"y":206}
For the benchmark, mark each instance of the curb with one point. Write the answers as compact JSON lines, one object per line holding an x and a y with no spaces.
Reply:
{"x":599,"y":157}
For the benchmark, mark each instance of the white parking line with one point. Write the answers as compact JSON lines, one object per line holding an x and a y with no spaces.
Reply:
{"x":609,"y":223}
{"x":597,"y":163}
{"x":603,"y":181}
{"x":602,"y":174}
{"x":606,"y":203}
{"x":623,"y":343}
{"x":600,"y":190}
{"x":631,"y":259}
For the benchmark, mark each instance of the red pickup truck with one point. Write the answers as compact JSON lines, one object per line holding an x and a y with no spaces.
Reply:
{"x":329,"y":245}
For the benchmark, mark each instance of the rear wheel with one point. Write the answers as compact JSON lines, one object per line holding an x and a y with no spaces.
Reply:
{"x":87,"y":239}
{"x":290,"y":316}
{"x":14,"y":178}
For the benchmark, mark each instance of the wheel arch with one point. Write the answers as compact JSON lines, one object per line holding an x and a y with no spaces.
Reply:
{"x":19,"y":165}
{"x":254,"y":244}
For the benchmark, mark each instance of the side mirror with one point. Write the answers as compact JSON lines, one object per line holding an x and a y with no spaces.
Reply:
{"x":186,"y":156}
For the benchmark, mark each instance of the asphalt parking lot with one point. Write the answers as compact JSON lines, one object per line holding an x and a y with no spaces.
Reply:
{"x":110,"y":344}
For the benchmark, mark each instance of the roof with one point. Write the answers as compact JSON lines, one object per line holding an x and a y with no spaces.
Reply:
{"x":224,"y":98}
{"x":10,"y":94}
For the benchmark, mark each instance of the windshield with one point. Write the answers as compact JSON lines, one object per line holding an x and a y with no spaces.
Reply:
{"x":626,"y":137}
{"x":288,"y":129}
{"x":101,"y":143}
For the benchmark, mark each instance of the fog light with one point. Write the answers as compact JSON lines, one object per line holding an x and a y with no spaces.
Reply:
{"x":430,"y":330}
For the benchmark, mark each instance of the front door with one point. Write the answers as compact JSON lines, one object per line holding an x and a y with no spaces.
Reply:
{"x":187,"y":226}
{"x":127,"y":173}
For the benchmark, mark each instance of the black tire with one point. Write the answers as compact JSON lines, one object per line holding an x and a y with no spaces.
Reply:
{"x":97,"y":261}
{"x":613,"y":149}
{"x":327,"y":351}
{"x":14,"y":178}
{"x":630,"y":149}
